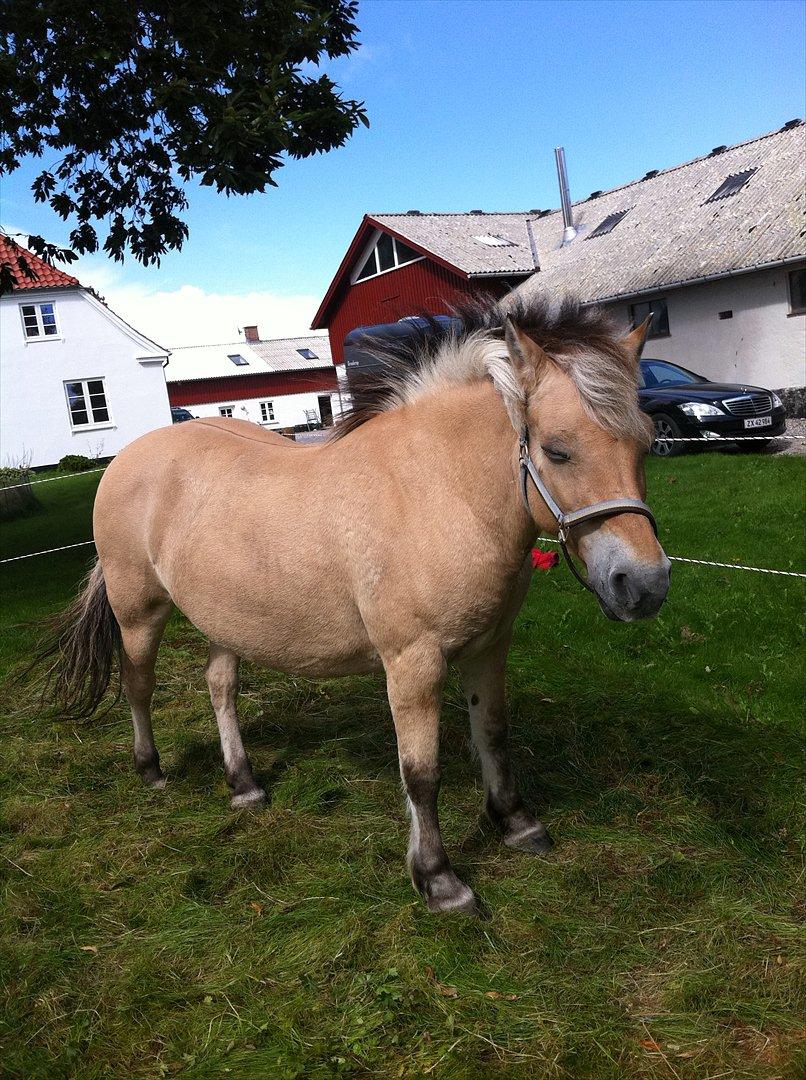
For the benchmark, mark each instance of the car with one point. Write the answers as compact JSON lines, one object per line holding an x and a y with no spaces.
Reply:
{"x":685,"y":405}
{"x":179,"y":415}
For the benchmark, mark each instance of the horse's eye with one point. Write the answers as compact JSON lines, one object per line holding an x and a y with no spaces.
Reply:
{"x":558,"y":457}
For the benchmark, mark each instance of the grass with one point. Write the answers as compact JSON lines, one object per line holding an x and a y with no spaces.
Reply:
{"x":148,"y":935}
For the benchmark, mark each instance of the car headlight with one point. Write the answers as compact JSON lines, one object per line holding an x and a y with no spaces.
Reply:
{"x":776,"y":401}
{"x":699,"y":410}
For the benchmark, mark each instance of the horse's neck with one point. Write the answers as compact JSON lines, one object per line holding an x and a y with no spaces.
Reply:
{"x":471,"y":442}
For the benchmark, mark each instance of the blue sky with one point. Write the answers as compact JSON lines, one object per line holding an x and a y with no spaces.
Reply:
{"x":466,"y":99}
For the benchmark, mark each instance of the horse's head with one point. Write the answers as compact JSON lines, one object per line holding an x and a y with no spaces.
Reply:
{"x":587,"y":439}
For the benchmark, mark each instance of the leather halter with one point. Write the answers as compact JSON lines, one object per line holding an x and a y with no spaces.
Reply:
{"x":566,"y":522}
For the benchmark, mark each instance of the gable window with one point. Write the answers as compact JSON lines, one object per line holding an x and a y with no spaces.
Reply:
{"x":39,"y":321}
{"x":609,"y":223}
{"x":308,"y":354}
{"x":659,"y":327}
{"x":225,"y":410}
{"x":387,"y":253}
{"x":267,"y":411}
{"x":86,"y":403}
{"x":731,"y":185}
{"x":238,"y":360}
{"x":797,"y":291}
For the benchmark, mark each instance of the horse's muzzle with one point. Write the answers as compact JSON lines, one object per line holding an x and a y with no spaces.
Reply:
{"x":633,"y":590}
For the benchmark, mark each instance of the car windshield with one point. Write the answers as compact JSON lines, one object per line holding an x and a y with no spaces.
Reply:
{"x":655,"y":373}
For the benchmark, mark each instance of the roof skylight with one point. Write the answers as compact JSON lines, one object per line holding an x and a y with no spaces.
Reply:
{"x":494,"y":240}
{"x":238,"y":360}
{"x":730,"y":186}
{"x":307,"y":354}
{"x":609,"y":223}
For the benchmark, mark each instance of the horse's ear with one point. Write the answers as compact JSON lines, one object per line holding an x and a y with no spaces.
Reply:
{"x":633,"y":343}
{"x":523,"y":350}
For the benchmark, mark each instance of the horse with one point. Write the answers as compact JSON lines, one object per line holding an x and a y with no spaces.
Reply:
{"x":400,"y":545}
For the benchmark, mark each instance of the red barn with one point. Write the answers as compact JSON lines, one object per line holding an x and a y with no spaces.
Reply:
{"x":405,"y":264}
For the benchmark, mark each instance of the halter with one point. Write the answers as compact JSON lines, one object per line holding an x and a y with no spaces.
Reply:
{"x":566,"y":522}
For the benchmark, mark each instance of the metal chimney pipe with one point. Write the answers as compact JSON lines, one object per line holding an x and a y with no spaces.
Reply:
{"x":569,"y":232}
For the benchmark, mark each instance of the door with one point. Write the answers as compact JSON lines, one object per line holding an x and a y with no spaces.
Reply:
{"x":325,"y":410}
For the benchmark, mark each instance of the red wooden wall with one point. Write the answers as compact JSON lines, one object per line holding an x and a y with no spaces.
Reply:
{"x":243,"y":387}
{"x":423,"y":286}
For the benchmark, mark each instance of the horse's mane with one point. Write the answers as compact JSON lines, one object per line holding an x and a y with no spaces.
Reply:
{"x":581,"y":339}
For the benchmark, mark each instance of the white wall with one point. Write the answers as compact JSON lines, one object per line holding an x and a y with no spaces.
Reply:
{"x":289,"y":409}
{"x":762,"y":344}
{"x":92,"y":343}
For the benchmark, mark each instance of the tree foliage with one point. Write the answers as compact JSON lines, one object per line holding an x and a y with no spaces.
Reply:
{"x":132,"y":100}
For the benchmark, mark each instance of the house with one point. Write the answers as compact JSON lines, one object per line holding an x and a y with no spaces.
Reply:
{"x":714,"y":248}
{"x":74,"y":377}
{"x":280,"y":383}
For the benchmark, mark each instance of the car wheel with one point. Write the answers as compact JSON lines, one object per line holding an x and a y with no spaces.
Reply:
{"x":666,"y":428}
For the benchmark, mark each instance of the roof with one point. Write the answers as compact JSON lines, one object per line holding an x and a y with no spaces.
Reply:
{"x":271,"y":355}
{"x":39,"y":276}
{"x":670,"y":234}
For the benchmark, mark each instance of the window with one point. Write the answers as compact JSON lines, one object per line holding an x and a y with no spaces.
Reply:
{"x":730,"y":186}
{"x":308,"y":354}
{"x":39,"y":321}
{"x":238,"y":360}
{"x":86,"y":402}
{"x":609,"y":223}
{"x":797,"y":291}
{"x":659,"y":327}
{"x":225,"y":410}
{"x":267,"y":411}
{"x":387,"y":253}
{"x":494,"y":240}
{"x":654,"y":373}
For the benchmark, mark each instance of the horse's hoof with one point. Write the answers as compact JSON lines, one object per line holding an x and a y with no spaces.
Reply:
{"x":157,"y":784}
{"x":461,"y":901}
{"x":255,"y":797}
{"x":534,"y":841}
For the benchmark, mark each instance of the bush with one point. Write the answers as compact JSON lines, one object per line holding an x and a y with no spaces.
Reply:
{"x":16,"y":496}
{"x":76,"y":463}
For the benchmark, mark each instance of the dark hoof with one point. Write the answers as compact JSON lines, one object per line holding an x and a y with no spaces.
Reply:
{"x":446,"y":894}
{"x":255,"y":797}
{"x":150,"y":772}
{"x":535,"y":841}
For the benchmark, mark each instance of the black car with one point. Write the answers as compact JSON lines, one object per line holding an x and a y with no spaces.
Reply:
{"x":179,"y":415}
{"x":683,"y":404}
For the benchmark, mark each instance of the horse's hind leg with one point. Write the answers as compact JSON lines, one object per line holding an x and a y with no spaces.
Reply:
{"x":222,"y":681}
{"x":483,"y":680}
{"x":140,"y":641}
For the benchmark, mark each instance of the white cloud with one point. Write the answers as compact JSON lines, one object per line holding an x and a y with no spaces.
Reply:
{"x":190,"y":316}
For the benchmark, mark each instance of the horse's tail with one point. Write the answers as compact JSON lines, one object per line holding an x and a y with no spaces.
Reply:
{"x":81,"y":648}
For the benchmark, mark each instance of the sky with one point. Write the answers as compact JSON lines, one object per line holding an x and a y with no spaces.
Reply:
{"x":466,"y":101}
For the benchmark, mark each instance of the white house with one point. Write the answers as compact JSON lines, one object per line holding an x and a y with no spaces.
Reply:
{"x":279,"y":383}
{"x":74,"y":377}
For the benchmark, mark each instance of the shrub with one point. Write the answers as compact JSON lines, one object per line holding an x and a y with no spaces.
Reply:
{"x":16,"y":495}
{"x":76,"y":463}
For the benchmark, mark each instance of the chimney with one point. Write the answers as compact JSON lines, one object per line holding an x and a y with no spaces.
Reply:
{"x":251,"y":333}
{"x":569,"y":232}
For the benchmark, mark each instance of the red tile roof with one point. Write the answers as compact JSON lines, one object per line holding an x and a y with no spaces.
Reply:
{"x":44,"y":276}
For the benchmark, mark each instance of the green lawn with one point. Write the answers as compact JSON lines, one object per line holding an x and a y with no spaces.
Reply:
{"x":146,"y":934}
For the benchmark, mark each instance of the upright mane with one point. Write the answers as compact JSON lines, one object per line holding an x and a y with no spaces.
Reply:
{"x":581,"y":339}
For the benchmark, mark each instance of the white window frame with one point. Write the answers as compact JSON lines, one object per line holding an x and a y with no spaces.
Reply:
{"x":226,"y":411}
{"x":369,"y":253}
{"x":40,"y":325}
{"x":91,"y":425}
{"x":267,"y":415}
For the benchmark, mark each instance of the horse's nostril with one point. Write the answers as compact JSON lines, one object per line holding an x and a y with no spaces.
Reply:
{"x":620,"y":584}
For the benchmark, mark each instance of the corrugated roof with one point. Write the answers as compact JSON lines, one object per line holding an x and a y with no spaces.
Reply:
{"x":670,"y":235}
{"x":273,"y":354}
{"x":39,"y":276}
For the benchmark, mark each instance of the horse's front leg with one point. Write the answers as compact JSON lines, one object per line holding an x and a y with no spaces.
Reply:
{"x":414,"y":684}
{"x":484,"y":683}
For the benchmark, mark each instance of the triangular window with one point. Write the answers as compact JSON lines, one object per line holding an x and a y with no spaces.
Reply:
{"x":386,"y":253}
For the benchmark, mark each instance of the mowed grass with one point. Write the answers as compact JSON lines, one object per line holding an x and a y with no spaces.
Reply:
{"x":148,"y":935}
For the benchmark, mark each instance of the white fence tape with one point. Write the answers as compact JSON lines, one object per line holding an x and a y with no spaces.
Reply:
{"x":50,"y":479}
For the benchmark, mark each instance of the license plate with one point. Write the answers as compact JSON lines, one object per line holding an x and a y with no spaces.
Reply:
{"x":758,"y":421}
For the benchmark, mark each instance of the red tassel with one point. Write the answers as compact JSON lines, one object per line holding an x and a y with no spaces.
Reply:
{"x":544,"y":560}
